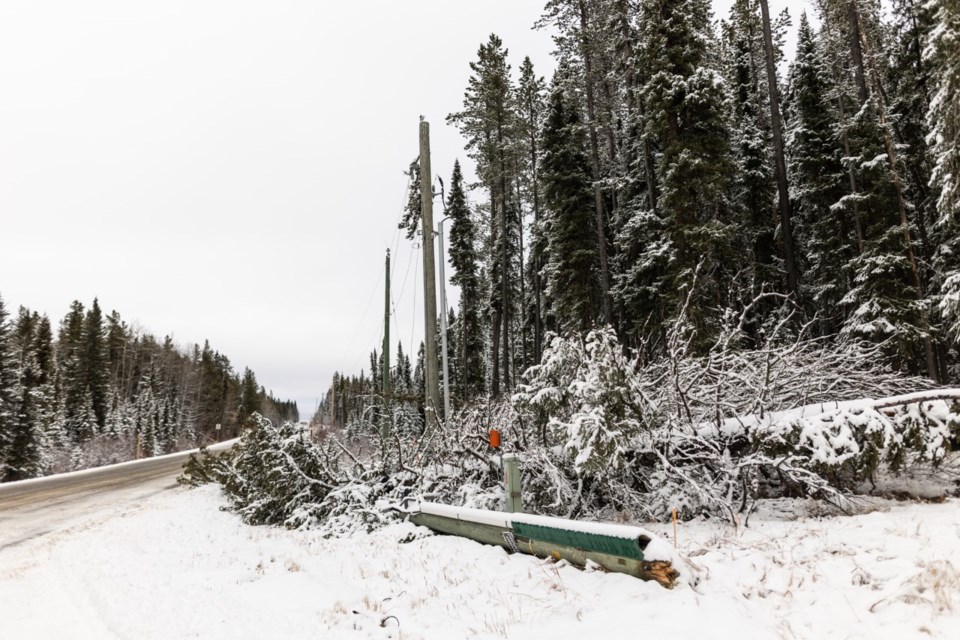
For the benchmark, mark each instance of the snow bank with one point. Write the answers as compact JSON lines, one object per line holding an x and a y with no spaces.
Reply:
{"x":177,"y":567}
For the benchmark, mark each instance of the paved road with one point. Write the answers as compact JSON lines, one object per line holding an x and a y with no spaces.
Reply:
{"x":31,"y":509}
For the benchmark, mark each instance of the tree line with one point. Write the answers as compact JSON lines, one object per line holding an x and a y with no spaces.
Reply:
{"x":674,"y":166}
{"x":96,"y":390}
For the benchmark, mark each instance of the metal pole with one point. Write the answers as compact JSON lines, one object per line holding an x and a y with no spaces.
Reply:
{"x":432,"y":394}
{"x":443,"y":326}
{"x":511,"y":483}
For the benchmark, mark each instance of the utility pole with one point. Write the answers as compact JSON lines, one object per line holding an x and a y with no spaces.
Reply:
{"x":429,"y":279}
{"x":443,"y":326}
{"x":385,"y":373}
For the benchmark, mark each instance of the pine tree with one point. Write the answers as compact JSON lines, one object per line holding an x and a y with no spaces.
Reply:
{"x":943,"y":51}
{"x":26,"y":455}
{"x":572,"y":273}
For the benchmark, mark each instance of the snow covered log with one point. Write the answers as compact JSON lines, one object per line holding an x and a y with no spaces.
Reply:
{"x":618,"y":548}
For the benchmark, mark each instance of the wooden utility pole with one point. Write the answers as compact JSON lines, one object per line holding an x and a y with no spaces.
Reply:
{"x":786,"y":228}
{"x":385,"y":370}
{"x":432,"y":381}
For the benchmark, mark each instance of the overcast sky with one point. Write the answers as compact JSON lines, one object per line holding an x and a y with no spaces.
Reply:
{"x":233,"y":170}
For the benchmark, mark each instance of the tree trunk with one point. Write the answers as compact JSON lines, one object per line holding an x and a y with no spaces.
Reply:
{"x":595,"y":161}
{"x":932,"y":370}
{"x":504,"y":260}
{"x":781,"y":164}
{"x":635,"y":107}
{"x":538,"y":316}
{"x":523,"y":292}
{"x":856,"y":51}
{"x":497,"y":316}
{"x":854,"y":191}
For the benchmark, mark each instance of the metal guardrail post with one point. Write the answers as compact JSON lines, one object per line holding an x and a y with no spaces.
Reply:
{"x":511,"y":483}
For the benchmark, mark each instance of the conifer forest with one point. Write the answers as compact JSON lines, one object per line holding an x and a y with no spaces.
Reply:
{"x":680,"y":170}
{"x":95,"y":390}
{"x":672,"y":244}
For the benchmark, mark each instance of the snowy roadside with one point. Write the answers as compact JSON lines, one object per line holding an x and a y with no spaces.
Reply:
{"x":176,"y":567}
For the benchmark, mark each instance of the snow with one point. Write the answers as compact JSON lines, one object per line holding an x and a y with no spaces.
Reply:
{"x":175,"y":566}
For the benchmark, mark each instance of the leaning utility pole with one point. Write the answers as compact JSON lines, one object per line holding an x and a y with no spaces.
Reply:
{"x":432,"y":400}
{"x":385,"y":358}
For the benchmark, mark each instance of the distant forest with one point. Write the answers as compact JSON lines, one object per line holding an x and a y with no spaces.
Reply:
{"x":677,"y":170}
{"x":94,"y":391}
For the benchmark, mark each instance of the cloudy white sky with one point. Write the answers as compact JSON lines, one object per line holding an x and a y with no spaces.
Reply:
{"x":232,"y":170}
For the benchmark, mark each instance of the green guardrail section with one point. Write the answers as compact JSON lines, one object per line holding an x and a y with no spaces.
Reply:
{"x":623,"y":547}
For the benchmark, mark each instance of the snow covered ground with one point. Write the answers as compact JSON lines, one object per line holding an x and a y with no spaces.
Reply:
{"x":172,"y":565}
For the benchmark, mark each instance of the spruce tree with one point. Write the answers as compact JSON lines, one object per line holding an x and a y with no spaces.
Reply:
{"x":685,"y":101}
{"x":250,"y":402}
{"x":9,"y":390}
{"x":95,"y":363}
{"x":754,"y":187}
{"x":943,"y":117}
{"x":572,"y":273}
{"x":25,"y":458}
{"x":943,"y":51}
{"x":73,"y":393}
{"x":825,"y":236}
{"x":488,"y":122}
{"x":466,"y":275}
{"x":885,"y":303}
{"x":530,"y":106}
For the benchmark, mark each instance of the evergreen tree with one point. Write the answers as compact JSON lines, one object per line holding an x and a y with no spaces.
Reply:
{"x":584,"y":35}
{"x":9,"y":391}
{"x":530,"y":106}
{"x":572,"y":273}
{"x":684,"y":99}
{"x":488,"y":122}
{"x":95,"y":363}
{"x":908,"y":88}
{"x":73,"y":384}
{"x":466,"y":275}
{"x":26,"y":455}
{"x":824,"y":233}
{"x":943,"y":117}
{"x":250,"y":402}
{"x":884,"y":303}
{"x":754,"y":187}
{"x":943,"y":51}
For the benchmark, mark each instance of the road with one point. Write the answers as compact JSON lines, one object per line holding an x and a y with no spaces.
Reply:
{"x":33,"y":509}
